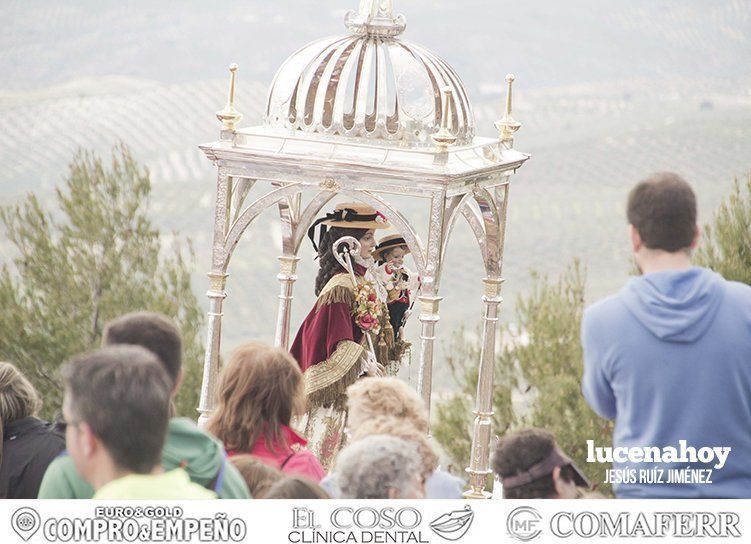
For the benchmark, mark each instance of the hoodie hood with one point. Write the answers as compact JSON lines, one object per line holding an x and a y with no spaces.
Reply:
{"x":675,"y":305}
{"x":198,"y":453}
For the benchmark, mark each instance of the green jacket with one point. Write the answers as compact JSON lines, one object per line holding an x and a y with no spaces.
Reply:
{"x":198,"y":453}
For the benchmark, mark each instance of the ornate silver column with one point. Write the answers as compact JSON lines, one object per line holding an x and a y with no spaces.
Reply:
{"x":479,"y":466}
{"x":216,"y":295}
{"x":428,"y":319}
{"x":429,"y":299}
{"x":287,"y":278}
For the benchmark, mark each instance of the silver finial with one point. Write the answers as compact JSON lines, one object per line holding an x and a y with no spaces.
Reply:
{"x":375,"y":18}
{"x":229,"y":116}
{"x":507,"y":124}
{"x":444,"y":138}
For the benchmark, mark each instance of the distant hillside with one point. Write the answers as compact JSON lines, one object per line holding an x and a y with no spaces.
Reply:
{"x":606,"y":95}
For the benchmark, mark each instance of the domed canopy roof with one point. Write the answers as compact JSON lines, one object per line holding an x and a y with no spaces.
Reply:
{"x":369,"y":85}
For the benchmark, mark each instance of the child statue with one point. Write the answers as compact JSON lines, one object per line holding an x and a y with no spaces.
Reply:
{"x":400,"y":282}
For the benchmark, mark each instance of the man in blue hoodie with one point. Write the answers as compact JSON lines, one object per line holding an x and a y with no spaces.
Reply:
{"x":669,"y":359}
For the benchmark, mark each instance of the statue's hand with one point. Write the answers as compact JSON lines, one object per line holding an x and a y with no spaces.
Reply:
{"x":374,"y":368}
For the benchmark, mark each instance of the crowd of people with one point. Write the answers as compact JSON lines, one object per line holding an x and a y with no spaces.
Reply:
{"x":668,"y":359}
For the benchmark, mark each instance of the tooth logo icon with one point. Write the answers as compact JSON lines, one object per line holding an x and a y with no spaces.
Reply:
{"x":25,"y":522}
{"x":454,"y":525}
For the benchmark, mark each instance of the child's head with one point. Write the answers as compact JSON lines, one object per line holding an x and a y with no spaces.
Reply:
{"x":391,"y":249}
{"x":395,"y":256}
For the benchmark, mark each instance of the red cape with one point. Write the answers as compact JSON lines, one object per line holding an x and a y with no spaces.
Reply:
{"x":323,"y":329}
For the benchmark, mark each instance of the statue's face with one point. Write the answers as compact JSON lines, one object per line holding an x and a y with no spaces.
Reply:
{"x":367,"y":244}
{"x":396,"y":257}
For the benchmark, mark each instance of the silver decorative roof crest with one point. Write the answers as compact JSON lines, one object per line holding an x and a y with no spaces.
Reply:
{"x":369,"y":85}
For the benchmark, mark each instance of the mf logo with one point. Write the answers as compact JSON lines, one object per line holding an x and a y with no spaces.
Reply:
{"x":523,"y":523}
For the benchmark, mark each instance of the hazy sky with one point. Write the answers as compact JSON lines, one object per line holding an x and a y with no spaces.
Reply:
{"x":546,"y":42}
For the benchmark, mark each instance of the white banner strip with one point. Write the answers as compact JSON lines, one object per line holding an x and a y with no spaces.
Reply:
{"x":375,"y":522}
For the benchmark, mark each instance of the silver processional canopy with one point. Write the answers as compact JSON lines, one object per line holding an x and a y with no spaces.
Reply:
{"x":366,"y":116}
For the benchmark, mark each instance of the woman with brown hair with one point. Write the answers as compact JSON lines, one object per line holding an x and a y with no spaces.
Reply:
{"x":28,"y":444}
{"x":260,"y":391}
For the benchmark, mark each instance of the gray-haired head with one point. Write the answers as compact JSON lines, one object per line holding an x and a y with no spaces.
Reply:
{"x":379,"y":467}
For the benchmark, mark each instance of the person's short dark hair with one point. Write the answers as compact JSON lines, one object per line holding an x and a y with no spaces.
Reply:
{"x":662,"y":208}
{"x":517,"y":452}
{"x":122,"y":392}
{"x":154,"y":331}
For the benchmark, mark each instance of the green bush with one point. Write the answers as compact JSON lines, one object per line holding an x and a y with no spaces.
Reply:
{"x":537,"y":377}
{"x":452,"y":426}
{"x":725,"y":246}
{"x":96,"y":257}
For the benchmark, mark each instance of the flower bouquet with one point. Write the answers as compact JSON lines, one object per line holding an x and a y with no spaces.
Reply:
{"x":367,"y":310}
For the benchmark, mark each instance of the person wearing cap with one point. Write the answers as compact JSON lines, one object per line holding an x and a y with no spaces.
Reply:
{"x":330,"y":346}
{"x":530,"y":465}
{"x":399,"y":280}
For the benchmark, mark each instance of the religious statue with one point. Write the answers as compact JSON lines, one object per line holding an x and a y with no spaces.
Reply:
{"x":335,"y":344}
